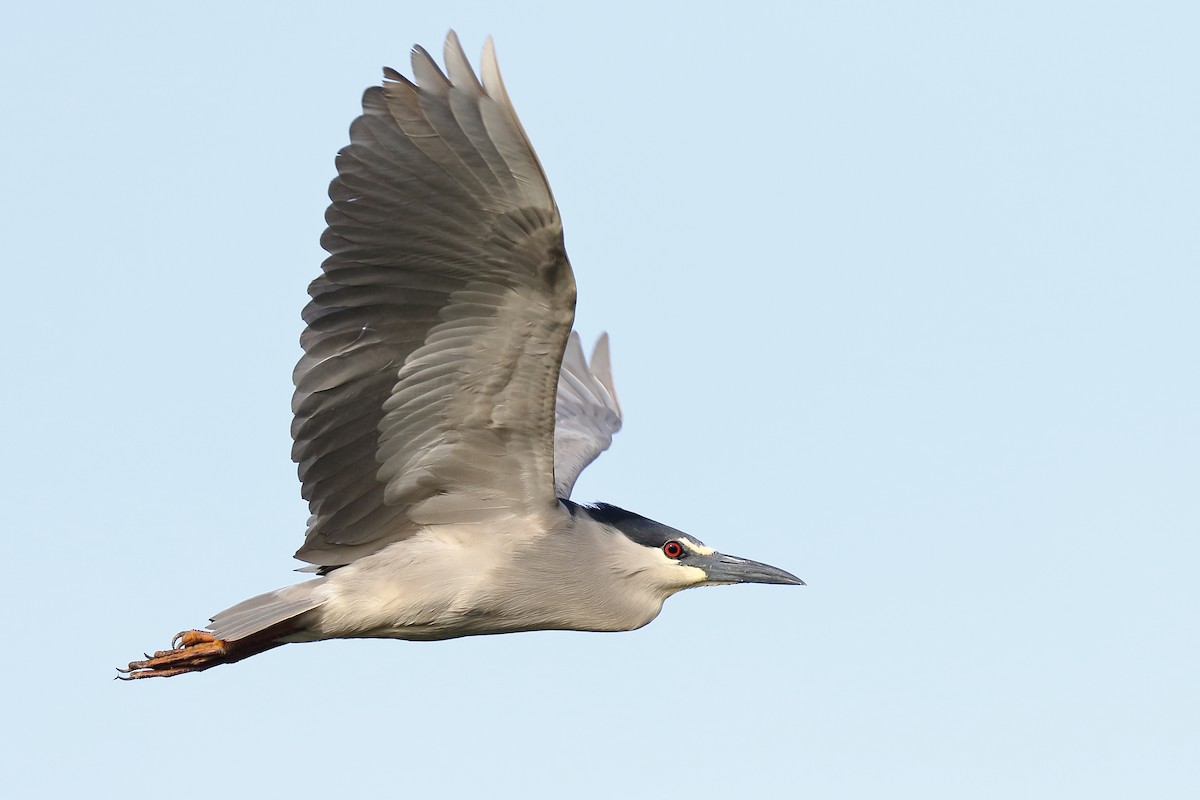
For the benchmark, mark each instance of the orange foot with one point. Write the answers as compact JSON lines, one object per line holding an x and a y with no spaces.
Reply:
{"x":191,"y":651}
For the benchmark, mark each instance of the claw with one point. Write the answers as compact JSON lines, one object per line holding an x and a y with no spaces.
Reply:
{"x":191,"y":651}
{"x":195,"y":651}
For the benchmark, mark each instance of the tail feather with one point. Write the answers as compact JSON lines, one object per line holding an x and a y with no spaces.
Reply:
{"x":266,"y":611}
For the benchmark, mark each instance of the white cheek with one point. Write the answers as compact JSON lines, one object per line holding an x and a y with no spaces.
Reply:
{"x":688,"y":576}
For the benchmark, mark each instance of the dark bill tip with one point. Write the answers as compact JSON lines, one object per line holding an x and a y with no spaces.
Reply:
{"x":721,"y":568}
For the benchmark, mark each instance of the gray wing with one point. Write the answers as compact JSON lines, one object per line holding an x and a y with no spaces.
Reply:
{"x":587,"y":414}
{"x":426,"y":391}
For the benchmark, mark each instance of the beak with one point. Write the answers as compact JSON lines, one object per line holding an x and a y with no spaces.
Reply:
{"x":721,"y":568}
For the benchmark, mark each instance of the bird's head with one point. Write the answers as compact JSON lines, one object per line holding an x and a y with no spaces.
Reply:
{"x":678,"y":561}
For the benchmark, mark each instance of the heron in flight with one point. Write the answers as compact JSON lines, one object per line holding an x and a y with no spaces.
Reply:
{"x":443,"y":406}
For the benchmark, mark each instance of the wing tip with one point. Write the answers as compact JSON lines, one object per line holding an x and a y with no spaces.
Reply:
{"x":601,"y":366}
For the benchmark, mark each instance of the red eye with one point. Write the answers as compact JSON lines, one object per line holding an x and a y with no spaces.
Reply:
{"x":672,"y":549}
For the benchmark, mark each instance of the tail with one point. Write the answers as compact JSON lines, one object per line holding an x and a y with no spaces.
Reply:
{"x":251,"y":627}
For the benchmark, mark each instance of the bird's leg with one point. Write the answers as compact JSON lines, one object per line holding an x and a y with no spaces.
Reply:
{"x":191,"y":651}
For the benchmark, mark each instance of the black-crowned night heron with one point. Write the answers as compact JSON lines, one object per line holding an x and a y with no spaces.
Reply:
{"x":444,"y":408}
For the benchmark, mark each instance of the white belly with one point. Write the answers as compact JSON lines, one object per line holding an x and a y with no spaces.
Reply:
{"x":457,"y":580}
{"x":420,"y":588}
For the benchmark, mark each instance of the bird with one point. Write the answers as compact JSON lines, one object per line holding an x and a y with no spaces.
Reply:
{"x":443,"y":406}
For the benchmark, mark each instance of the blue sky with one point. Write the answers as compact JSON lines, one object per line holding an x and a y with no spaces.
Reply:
{"x":903,"y":298}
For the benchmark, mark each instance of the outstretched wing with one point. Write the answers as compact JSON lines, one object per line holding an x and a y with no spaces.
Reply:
{"x":426,"y":391}
{"x":587,"y":414}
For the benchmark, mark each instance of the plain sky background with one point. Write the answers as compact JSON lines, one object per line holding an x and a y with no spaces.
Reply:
{"x":904,"y":298}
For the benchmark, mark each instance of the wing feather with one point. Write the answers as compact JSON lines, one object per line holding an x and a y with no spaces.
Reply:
{"x":427,"y":388}
{"x":587,"y":412}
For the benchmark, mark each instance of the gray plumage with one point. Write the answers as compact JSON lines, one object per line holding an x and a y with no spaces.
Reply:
{"x":586,"y":413}
{"x":443,"y":407}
